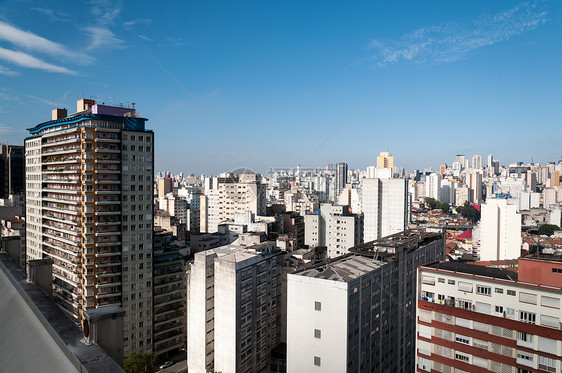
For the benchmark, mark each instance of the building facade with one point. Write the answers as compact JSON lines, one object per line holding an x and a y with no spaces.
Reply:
{"x":357,"y":313}
{"x":477,"y":319}
{"x":500,"y":227}
{"x":12,"y":170}
{"x":233,"y":308}
{"x":89,"y":204}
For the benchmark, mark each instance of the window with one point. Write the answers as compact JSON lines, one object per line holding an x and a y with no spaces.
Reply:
{"x":556,"y":270}
{"x":550,"y":302}
{"x":317,"y":361}
{"x":527,"y":317}
{"x":424,"y":364}
{"x":317,"y":333}
{"x":499,"y":290}
{"x":428,"y":280}
{"x":511,"y":292}
{"x":548,"y":364}
{"x":525,"y":337}
{"x":550,"y":321}
{"x":462,"y":339}
{"x":441,"y":279}
{"x":499,"y":309}
{"x":524,"y":358}
{"x":527,"y":298}
{"x":510,"y":313}
{"x":462,"y":356}
{"x":465,"y":286}
{"x":317,"y":306}
{"x":484,"y":290}
{"x":451,"y":282}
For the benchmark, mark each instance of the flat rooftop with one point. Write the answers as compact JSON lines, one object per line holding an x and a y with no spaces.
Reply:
{"x":474,"y":269}
{"x":406,"y":240}
{"x":342,"y":269}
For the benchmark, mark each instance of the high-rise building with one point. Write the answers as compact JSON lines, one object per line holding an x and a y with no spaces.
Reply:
{"x":233,"y":308}
{"x":357,"y":313}
{"x":229,"y":194}
{"x":385,"y":160}
{"x":165,"y":186}
{"x":12,"y":170}
{"x":477,"y":162}
{"x":89,"y":208}
{"x":474,"y":182}
{"x":341,"y":179}
{"x":432,"y":185}
{"x":384,"y":206}
{"x":334,"y":227}
{"x":473,"y":318}
{"x":490,"y":162}
{"x":461,"y":158}
{"x":500,"y":226}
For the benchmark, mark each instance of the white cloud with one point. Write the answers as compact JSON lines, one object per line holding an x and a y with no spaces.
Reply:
{"x":145,"y":38}
{"x":454,"y":41}
{"x":105,"y":11}
{"x":103,"y":37}
{"x":26,"y":60}
{"x":131,"y":24}
{"x":9,"y":72}
{"x":55,"y":16}
{"x":29,"y":41}
{"x":7,"y":130}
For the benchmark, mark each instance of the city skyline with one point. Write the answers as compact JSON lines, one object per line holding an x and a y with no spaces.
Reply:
{"x":224,"y":84}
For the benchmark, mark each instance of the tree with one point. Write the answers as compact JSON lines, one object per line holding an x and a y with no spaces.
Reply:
{"x":432,"y":203}
{"x":548,"y":229}
{"x":140,"y":362}
{"x":469,"y":212}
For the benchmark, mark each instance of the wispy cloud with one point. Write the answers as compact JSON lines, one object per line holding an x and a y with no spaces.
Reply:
{"x":454,"y":41}
{"x":105,"y":11}
{"x":27,"y":60}
{"x":103,"y":37}
{"x":145,"y":38}
{"x":8,"y":130}
{"x":55,"y":16}
{"x":52,"y":103}
{"x":9,"y":72}
{"x":131,"y":24}
{"x":32,"y":42}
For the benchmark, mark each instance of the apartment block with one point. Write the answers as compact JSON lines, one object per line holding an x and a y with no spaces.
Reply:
{"x":335,"y":227}
{"x":357,"y":313}
{"x":12,"y":170}
{"x":233,"y":308}
{"x":89,"y":203}
{"x":472,"y":318}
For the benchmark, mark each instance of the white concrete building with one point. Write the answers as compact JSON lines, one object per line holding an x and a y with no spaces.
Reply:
{"x":500,"y":230}
{"x":335,"y":228}
{"x":357,"y":313}
{"x":384,"y":206}
{"x":233,"y":308}
{"x":432,"y":185}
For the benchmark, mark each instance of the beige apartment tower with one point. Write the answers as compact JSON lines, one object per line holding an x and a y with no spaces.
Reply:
{"x":89,"y":192}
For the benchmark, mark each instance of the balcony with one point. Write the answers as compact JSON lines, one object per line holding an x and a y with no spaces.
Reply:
{"x":103,"y":254}
{"x":107,"y":264}
{"x":59,"y":209}
{"x":67,"y":220}
{"x":58,"y":246}
{"x":64,"y":141}
{"x":65,"y":240}
{"x":108,"y":212}
{"x":108,"y":202}
{"x":64,"y":200}
{"x":107,"y":150}
{"x":115,"y":272}
{"x":107,"y":295}
{"x":107,"y":233}
{"x":108,"y":181}
{"x":108,"y":283}
{"x":113,"y":222}
{"x":108,"y":192}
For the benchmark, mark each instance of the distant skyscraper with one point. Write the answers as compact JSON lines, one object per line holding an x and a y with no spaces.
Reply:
{"x":12,"y":170}
{"x":341,"y":178}
{"x":384,"y":160}
{"x":477,"y":162}
{"x":432,"y":185}
{"x":461,"y":158}
{"x":490,"y":161}
{"x":89,"y":193}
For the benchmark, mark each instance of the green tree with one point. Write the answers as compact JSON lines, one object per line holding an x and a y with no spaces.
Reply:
{"x":548,"y":229}
{"x":140,"y":362}
{"x":432,"y":203}
{"x":469,"y":212}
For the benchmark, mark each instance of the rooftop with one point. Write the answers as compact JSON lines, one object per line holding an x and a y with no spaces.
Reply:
{"x":473,"y":269}
{"x":408,"y":239}
{"x":344,"y":269}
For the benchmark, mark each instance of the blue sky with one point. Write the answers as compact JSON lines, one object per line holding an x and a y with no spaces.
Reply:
{"x":268,"y":84}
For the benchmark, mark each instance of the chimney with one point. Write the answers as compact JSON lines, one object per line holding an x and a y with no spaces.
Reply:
{"x":58,"y":114}
{"x":84,"y":104}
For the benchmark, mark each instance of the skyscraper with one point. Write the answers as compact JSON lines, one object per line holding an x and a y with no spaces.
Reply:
{"x":500,"y":230}
{"x":341,"y":178}
{"x":12,"y":170}
{"x":90,"y":209}
{"x":384,"y":160}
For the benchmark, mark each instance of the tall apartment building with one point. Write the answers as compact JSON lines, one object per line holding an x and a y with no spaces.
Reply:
{"x":229,"y":194}
{"x":334,"y":227}
{"x":384,"y":206}
{"x":472,"y":318}
{"x":341,"y":179}
{"x":357,"y":312}
{"x":12,"y":170}
{"x":500,"y":230}
{"x":89,"y":204}
{"x":233,"y":308}
{"x":385,"y":160}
